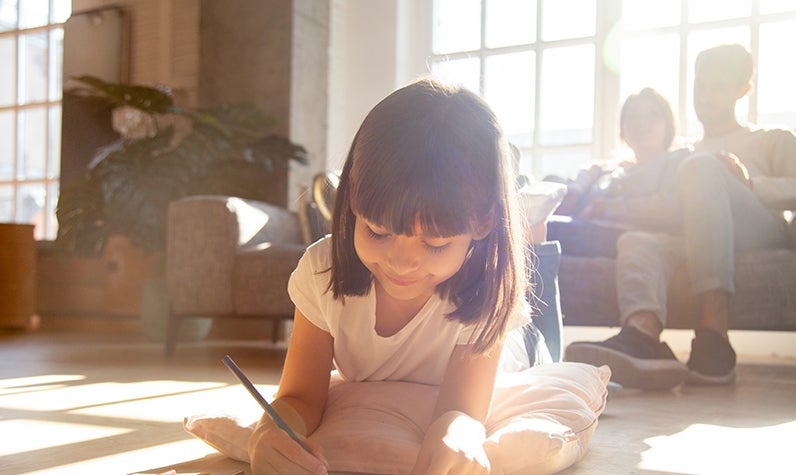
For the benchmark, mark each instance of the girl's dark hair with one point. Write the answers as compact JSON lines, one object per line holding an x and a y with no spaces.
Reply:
{"x":434,"y":154}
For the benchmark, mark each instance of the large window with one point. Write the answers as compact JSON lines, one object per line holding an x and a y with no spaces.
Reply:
{"x":557,"y":71}
{"x":31,"y":57}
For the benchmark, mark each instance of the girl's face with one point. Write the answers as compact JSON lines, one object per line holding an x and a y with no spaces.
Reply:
{"x":644,"y":128}
{"x":408,"y":267}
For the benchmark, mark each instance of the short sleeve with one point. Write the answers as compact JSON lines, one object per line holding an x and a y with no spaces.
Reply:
{"x":306,"y":285}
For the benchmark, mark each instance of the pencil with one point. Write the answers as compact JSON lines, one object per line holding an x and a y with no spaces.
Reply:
{"x":260,"y":399}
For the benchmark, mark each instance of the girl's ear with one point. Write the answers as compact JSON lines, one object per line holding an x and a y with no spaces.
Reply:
{"x":485,"y":226}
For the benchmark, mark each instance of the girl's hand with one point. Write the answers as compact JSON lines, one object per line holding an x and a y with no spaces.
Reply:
{"x":272,"y":451}
{"x":454,"y":444}
{"x":595,"y":209}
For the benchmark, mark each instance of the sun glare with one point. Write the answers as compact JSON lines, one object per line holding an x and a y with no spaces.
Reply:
{"x":721,"y":449}
{"x":83,"y":424}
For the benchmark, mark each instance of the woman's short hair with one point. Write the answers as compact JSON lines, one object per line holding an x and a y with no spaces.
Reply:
{"x":662,"y":107}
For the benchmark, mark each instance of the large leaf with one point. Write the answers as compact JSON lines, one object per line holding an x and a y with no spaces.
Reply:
{"x":147,"y":99}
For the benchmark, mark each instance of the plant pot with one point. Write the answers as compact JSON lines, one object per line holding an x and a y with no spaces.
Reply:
{"x":155,"y":315}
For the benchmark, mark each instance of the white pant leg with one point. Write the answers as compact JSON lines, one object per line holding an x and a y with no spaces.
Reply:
{"x":645,"y":263}
{"x":721,"y":216}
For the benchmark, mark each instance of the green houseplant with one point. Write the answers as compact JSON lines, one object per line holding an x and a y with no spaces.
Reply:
{"x":127,"y":188}
{"x":164,"y":152}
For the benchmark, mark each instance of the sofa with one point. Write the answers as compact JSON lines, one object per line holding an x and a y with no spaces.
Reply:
{"x":765,"y":281}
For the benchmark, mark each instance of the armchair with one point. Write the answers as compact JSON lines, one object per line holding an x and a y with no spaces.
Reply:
{"x":228,"y":257}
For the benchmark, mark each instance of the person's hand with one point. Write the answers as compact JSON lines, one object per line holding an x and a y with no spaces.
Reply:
{"x":272,"y":451}
{"x":454,"y":445}
{"x":734,"y":165}
{"x":595,"y":209}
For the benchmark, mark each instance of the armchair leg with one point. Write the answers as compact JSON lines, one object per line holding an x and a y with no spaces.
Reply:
{"x":172,"y":330}
{"x":275,"y":330}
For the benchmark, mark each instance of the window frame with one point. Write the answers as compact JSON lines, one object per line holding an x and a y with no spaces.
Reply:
{"x":605,"y":143}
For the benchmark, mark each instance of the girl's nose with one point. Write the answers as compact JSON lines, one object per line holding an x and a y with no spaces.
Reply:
{"x":403,"y":256}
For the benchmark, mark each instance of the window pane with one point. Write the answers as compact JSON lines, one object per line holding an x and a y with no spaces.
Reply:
{"x":33,"y":13}
{"x":62,"y":9}
{"x":30,"y":205}
{"x":776,"y":6}
{"x":776,"y":102}
{"x":56,"y":63}
{"x":510,"y":22}
{"x":33,"y":55}
{"x":559,"y":22}
{"x":702,"y":40}
{"x":8,"y":15}
{"x":561,"y":162}
{"x":8,"y":132}
{"x":509,"y":89}
{"x":709,"y":10}
{"x":54,"y":149}
{"x":567,"y":95}
{"x":464,"y":72}
{"x":526,"y":163}
{"x":644,"y":14}
{"x":661,"y":74}
{"x":457,"y":25}
{"x":8,"y":73}
{"x":34,"y":143}
{"x":52,"y":221}
{"x":6,"y":203}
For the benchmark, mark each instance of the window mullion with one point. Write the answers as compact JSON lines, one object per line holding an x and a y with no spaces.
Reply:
{"x":536,"y":154}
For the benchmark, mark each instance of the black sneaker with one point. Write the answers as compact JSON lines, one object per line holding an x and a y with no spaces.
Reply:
{"x":712,"y":359}
{"x":636,"y":360}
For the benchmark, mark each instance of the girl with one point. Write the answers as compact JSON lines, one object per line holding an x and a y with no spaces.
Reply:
{"x":423,"y":275}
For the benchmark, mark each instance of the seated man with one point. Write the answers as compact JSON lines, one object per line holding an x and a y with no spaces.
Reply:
{"x":733,"y":192}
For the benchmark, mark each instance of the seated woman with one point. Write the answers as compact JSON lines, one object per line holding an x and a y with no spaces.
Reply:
{"x":602,"y":202}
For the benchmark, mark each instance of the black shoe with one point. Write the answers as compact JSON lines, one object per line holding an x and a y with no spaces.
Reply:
{"x":636,"y":360}
{"x":712,"y":359}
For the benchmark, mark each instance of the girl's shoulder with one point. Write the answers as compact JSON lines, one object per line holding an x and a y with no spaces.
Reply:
{"x":319,"y":254}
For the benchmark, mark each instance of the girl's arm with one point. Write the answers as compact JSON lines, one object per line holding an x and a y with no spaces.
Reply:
{"x":454,"y":442}
{"x":305,"y":376}
{"x":469,"y":382}
{"x":301,"y":400}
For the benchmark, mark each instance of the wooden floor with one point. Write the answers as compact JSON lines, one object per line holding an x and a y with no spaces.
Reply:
{"x":100,"y":399}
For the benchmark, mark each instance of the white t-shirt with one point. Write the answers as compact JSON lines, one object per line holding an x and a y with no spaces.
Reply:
{"x":419,"y":352}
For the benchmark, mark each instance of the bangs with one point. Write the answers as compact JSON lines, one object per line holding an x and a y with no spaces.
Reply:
{"x":412,"y":193}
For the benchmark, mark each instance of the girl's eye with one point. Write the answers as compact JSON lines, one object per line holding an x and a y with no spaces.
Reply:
{"x":374,"y":235}
{"x":436,"y":249}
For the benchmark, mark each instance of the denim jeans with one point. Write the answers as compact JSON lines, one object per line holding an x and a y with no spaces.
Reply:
{"x":539,"y":341}
{"x":547,"y":301}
